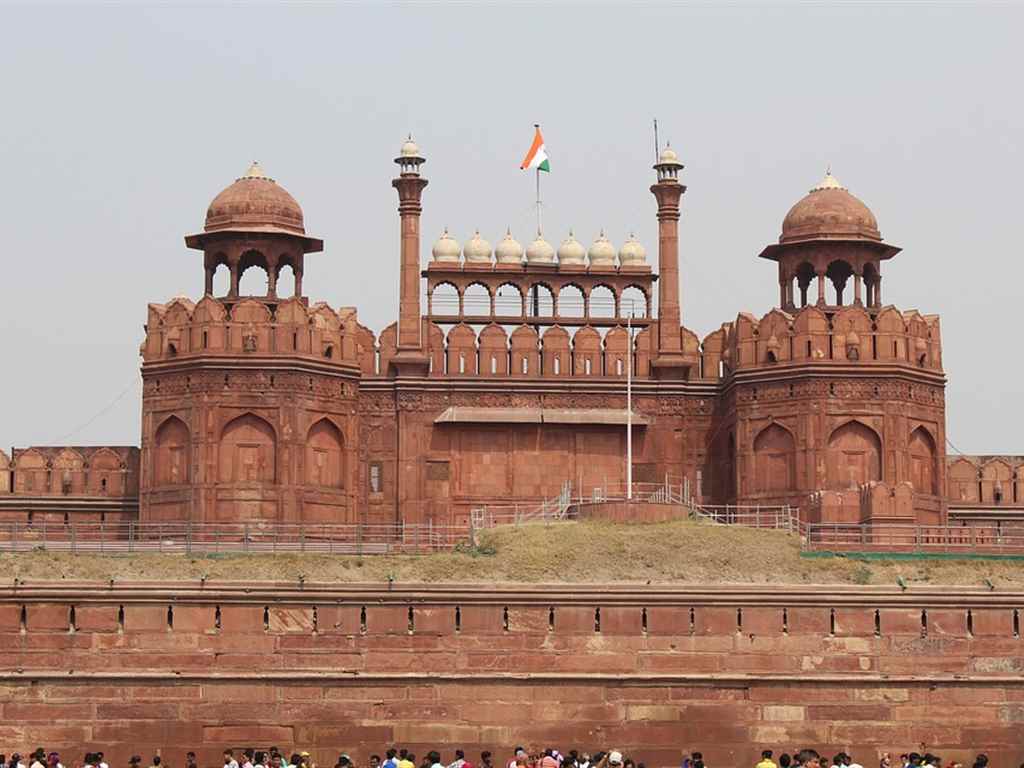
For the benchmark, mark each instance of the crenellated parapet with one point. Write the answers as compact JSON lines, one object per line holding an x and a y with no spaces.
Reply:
{"x":849,"y":335}
{"x":181,"y":329}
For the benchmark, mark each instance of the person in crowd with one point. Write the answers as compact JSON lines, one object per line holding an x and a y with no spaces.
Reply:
{"x":766,"y":760}
{"x":459,"y":761}
{"x":519,"y":752}
{"x":190,"y":760}
{"x":486,"y":760}
{"x":38,"y":758}
{"x":807,"y":758}
{"x":548,"y":760}
{"x":434,"y":759}
{"x":247,"y":756}
{"x":156,"y":762}
{"x":406,"y":760}
{"x":53,"y":760}
{"x":785,"y":760}
{"x":259,"y":759}
{"x":391,"y":758}
{"x":100,"y":762}
{"x":374,"y":761}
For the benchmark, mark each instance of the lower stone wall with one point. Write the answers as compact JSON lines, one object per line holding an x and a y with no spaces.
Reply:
{"x":655,"y":672}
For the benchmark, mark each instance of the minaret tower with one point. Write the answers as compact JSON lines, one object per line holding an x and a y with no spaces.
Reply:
{"x":668,"y":361}
{"x":411,"y":358}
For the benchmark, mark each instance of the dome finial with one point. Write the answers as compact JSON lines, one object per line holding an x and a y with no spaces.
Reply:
{"x":829,"y":182}
{"x":255,"y":172}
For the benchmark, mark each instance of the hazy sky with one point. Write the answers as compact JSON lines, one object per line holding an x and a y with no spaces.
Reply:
{"x":121,"y":123}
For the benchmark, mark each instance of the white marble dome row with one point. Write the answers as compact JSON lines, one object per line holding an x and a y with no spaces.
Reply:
{"x":509,"y":251}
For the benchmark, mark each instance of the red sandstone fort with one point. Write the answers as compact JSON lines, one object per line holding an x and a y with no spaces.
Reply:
{"x":512,"y":382}
{"x":508,"y":382}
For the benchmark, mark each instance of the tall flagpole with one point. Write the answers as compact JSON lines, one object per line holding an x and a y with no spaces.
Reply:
{"x":629,"y":409}
{"x":538,"y":203}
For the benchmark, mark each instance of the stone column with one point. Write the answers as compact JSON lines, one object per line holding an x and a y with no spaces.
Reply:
{"x":821,"y":288}
{"x":856,"y":290}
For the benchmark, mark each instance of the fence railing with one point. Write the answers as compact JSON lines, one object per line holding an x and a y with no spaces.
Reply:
{"x":775,"y":517}
{"x":188,"y":538}
{"x":981,"y":539}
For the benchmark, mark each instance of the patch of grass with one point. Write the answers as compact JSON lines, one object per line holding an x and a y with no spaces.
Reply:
{"x":567,"y":552}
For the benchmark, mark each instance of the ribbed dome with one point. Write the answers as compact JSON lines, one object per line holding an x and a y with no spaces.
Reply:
{"x":829,"y":211}
{"x":632,"y":252}
{"x":509,"y":251}
{"x":255,"y":203}
{"x":410,"y":148}
{"x":602,"y":252}
{"x":477,"y":250}
{"x":540,"y":251}
{"x":571,"y":251}
{"x":446,"y":248}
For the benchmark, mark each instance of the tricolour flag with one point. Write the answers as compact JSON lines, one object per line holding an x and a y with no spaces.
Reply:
{"x":537,"y":157}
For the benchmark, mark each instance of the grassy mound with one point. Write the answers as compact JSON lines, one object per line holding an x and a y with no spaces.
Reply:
{"x":570,"y":552}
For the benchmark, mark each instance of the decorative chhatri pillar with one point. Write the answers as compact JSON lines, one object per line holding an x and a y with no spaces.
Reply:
{"x":410,"y":359}
{"x":668,"y":362}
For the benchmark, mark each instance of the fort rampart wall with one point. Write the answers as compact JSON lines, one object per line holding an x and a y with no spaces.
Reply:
{"x":132,"y":668}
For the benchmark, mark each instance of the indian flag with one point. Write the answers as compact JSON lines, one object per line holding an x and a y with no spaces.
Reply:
{"x":537,"y":157}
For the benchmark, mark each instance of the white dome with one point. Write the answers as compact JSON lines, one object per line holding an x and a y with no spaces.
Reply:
{"x":410,"y":148}
{"x":477,"y":250}
{"x":540,"y":251}
{"x":632,"y":252}
{"x":571,"y":251}
{"x":509,"y":251}
{"x":446,"y":248}
{"x":668,"y":156}
{"x":602,"y":252}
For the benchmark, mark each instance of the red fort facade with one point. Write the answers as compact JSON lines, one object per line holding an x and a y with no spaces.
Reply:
{"x":506,"y":378}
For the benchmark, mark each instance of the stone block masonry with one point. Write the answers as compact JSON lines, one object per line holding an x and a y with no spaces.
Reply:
{"x":654,"y":671}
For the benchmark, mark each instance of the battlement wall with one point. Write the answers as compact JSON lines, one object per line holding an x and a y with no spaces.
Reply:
{"x":653,"y":671}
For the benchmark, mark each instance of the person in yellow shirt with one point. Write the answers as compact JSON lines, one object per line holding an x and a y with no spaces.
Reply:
{"x":766,"y":760}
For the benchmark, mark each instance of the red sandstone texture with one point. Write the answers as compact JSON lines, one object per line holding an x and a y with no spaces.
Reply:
{"x":654,"y":672}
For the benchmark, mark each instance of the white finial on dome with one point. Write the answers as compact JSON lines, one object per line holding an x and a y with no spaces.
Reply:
{"x":255,"y":172}
{"x":632,"y":252}
{"x":829,"y":182}
{"x":668,"y":155}
{"x":446,"y":248}
{"x":477,"y":250}
{"x":571,"y":251}
{"x":602,"y":252}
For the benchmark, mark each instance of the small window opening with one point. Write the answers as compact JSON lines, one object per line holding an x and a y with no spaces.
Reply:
{"x":1016,"y":622}
{"x":494,"y":364}
{"x":618,"y":367}
{"x":785,"y":621}
{"x":462,"y":362}
{"x":558,"y":365}
{"x":362,"y":620}
{"x":597,"y":619}
{"x":924,"y":622}
{"x":586,"y":367}
{"x":72,"y":623}
{"x":120,"y":618}
{"x":970,"y":623}
{"x":526,"y":365}
{"x":23,"y":619}
{"x":412,"y":621}
{"x":693,"y":621}
{"x":170,"y":617}
{"x":808,"y":347}
{"x":739,"y":620}
{"x":458,"y":619}
{"x":216,"y":618}
{"x":329,"y":352}
{"x":504,"y":619}
{"x":266,"y":618}
{"x":206,"y":339}
{"x":172,"y":350}
{"x":295,"y":339}
{"x":643,"y":620}
{"x":831,"y":621}
{"x":316,"y":620}
{"x":878,"y":623}
{"x":551,"y":619}
{"x":771,"y":356}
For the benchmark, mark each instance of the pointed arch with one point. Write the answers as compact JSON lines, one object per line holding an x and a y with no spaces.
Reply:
{"x":248,"y":451}
{"x":172,"y":453}
{"x":325,"y":455}
{"x":854,"y":456}
{"x":923,"y":471}
{"x":774,"y":459}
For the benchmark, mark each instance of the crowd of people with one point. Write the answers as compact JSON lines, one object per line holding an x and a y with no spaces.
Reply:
{"x":521,"y":758}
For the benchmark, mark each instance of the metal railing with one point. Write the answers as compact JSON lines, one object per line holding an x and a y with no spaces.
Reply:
{"x":269,"y":538}
{"x":775,"y":517}
{"x":491,"y":515}
{"x":852,"y":537}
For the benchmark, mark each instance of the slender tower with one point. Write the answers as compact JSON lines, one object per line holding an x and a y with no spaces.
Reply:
{"x":668,"y":361}
{"x":411,"y":359}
